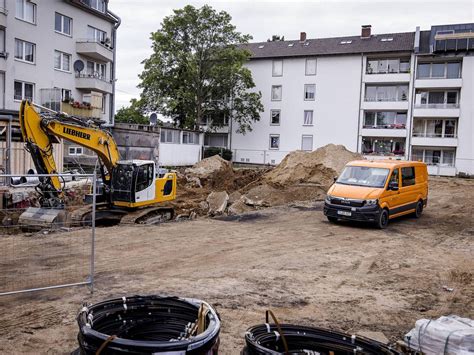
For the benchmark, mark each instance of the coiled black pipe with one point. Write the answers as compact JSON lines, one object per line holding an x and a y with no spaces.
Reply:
{"x":148,"y":324}
{"x":265,"y":339}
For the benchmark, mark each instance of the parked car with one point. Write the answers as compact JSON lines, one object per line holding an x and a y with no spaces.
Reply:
{"x":377,"y":191}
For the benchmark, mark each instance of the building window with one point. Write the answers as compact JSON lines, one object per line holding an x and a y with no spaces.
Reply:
{"x":169,"y":136}
{"x":94,"y":34}
{"x":309,"y":92}
{"x":276,"y":93}
{"x":76,"y":151}
{"x":435,"y":128}
{"x":437,"y":99}
{"x":308,"y":118}
{"x":444,"y":70}
{"x":62,"y":61}
{"x":26,"y":11}
{"x":24,"y":91}
{"x":383,"y":146}
{"x":274,"y":141}
{"x":307,"y":143}
{"x":96,"y":70}
{"x":386,"y":93}
{"x":62,"y":24}
{"x":310,"y":66}
{"x":66,"y":95}
{"x":216,"y":140}
{"x":383,"y":119}
{"x":275,"y":117}
{"x":277,"y":68}
{"x":387,"y":66}
{"x":434,"y":156}
{"x":25,"y":51}
{"x":98,"y":5}
{"x":190,"y":138}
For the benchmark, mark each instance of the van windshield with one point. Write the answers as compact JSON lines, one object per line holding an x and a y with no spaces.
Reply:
{"x":363,"y":176}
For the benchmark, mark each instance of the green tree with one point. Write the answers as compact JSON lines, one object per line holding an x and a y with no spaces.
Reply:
{"x":196,"y":71}
{"x":134,"y":113}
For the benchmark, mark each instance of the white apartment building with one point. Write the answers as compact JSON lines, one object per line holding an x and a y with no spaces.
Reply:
{"x":58,"y":53}
{"x":393,"y":95}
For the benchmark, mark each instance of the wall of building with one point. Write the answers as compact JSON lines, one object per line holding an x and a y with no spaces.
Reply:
{"x":465,"y":149}
{"x":335,"y":108}
{"x":42,"y":73}
{"x":179,"y":154}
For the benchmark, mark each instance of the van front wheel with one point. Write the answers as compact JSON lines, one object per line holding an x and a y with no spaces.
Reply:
{"x":332,"y":219}
{"x":382,"y":222}
{"x":419,"y":209}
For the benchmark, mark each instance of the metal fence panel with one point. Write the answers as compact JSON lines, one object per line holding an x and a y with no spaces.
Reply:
{"x":60,"y":255}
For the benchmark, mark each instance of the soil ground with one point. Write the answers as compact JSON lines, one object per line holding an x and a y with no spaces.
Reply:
{"x":289,"y":259}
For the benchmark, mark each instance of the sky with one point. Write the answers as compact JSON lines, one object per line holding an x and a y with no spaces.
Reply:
{"x":262,"y":19}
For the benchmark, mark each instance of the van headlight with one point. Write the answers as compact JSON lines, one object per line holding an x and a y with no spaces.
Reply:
{"x":372,"y":202}
{"x":328,"y":199}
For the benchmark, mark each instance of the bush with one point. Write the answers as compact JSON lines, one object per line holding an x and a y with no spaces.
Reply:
{"x":223,"y":152}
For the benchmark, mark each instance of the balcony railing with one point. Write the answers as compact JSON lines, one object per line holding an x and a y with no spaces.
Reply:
{"x":105,"y":44}
{"x":384,"y":153}
{"x":385,"y":99}
{"x":387,"y":126}
{"x":434,"y":135}
{"x":442,"y":105}
{"x":94,"y":75}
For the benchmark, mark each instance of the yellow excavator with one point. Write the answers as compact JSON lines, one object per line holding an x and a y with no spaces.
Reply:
{"x":131,"y":191}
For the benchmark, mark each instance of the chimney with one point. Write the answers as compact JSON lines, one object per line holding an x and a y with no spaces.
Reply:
{"x":365,"y":33}
{"x":302,"y":36}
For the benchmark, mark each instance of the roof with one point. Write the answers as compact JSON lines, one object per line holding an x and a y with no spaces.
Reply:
{"x":83,"y":5}
{"x":400,"y":42}
{"x":384,"y":163}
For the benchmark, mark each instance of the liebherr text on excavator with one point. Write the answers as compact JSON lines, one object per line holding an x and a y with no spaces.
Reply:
{"x":131,"y":190}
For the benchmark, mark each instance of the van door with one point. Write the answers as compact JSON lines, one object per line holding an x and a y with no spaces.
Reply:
{"x":408,"y":190}
{"x":392,"y":197}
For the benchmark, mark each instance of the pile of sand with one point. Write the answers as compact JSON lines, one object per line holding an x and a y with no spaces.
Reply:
{"x":212,"y":172}
{"x":318,"y":167}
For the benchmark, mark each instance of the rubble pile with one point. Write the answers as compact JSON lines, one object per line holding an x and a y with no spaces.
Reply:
{"x":213,"y":187}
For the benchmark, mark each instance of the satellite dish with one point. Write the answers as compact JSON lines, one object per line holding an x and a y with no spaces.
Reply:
{"x":153,"y":119}
{"x":79,"y":65}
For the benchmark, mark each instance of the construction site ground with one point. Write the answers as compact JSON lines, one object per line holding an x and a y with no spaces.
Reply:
{"x":290,"y":259}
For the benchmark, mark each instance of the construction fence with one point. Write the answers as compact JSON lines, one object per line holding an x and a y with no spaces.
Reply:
{"x":48,"y":247}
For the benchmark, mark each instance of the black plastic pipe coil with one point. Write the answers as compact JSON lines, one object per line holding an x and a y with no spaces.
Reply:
{"x":147,"y":324}
{"x":266,"y":339}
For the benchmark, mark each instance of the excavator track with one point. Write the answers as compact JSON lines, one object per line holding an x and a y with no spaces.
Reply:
{"x":149,"y":215}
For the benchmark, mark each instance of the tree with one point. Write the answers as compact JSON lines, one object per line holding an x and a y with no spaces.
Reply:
{"x":197,"y":71}
{"x":132,"y":114}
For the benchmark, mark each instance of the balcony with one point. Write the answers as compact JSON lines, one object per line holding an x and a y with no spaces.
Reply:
{"x":3,"y":14}
{"x":79,"y":110}
{"x":380,"y":105}
{"x":438,"y":83}
{"x":93,"y":83}
{"x":95,"y":50}
{"x":383,"y":131}
{"x":436,"y":110}
{"x":387,"y":78}
{"x":434,"y":141}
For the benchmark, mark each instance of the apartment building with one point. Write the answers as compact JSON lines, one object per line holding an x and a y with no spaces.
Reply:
{"x":373,"y":93}
{"x":58,"y":53}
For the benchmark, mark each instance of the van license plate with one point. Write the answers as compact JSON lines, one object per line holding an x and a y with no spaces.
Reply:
{"x":344,"y":213}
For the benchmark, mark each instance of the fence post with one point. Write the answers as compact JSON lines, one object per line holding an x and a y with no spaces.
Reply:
{"x":94,"y":192}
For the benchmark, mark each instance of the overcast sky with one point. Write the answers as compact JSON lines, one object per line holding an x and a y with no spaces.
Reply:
{"x":262,"y":19}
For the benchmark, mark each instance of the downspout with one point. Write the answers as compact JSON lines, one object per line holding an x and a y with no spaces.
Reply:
{"x":362,"y":84}
{"x":114,"y":64}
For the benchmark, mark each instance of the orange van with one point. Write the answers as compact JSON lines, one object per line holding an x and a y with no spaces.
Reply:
{"x":377,"y":191}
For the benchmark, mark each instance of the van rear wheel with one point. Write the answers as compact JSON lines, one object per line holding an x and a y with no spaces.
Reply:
{"x":419,"y":209}
{"x":382,"y":222}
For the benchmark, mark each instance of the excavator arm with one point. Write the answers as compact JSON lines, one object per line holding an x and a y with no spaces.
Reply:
{"x":38,"y":131}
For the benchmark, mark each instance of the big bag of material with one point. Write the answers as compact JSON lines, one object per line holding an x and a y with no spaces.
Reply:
{"x":451,"y":335}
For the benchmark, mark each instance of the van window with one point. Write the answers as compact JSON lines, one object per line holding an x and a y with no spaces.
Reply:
{"x":408,"y":176}
{"x":394,"y":177}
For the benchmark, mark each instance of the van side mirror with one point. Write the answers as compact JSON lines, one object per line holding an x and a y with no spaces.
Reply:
{"x":392,"y":185}
{"x":335,"y":178}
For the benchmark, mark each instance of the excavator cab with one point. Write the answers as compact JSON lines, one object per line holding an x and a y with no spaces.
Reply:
{"x":137,"y":183}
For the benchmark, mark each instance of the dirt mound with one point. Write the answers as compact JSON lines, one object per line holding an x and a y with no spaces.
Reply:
{"x":211,"y":172}
{"x":317,"y":167}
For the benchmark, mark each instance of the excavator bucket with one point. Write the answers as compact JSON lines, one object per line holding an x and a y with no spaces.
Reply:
{"x":36,"y":219}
